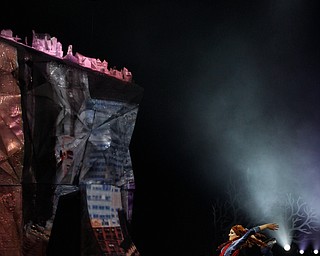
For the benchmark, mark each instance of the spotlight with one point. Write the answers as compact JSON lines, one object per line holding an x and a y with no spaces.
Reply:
{"x":287,"y":247}
{"x":315,"y":251}
{"x":301,"y":251}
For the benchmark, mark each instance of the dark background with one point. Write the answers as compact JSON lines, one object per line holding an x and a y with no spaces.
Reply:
{"x":182,"y":53}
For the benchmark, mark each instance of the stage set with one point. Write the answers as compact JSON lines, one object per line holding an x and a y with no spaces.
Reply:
{"x":67,"y":181}
{"x":66,"y":175}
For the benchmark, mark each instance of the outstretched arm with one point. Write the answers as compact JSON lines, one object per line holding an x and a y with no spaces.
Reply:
{"x":271,"y":226}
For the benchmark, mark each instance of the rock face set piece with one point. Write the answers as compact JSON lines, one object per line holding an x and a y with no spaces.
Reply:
{"x":66,"y":178}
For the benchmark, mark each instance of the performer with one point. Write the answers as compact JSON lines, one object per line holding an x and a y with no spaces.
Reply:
{"x":240,"y":237}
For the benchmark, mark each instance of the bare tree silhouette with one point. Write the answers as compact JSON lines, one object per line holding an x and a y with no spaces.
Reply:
{"x":303,"y":221}
{"x":228,"y":211}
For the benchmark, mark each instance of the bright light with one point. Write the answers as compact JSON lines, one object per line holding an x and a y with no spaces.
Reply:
{"x":301,"y":251}
{"x":315,"y":251}
{"x":287,"y":247}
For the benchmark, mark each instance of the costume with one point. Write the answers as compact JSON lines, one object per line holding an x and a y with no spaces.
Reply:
{"x":233,"y":248}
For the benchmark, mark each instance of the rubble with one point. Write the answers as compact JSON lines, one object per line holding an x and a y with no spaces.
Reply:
{"x":50,"y":45}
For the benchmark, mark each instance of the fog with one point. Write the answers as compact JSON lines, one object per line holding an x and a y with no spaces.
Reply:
{"x":256,"y":113}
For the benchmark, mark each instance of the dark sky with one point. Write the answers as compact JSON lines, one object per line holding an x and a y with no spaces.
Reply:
{"x":205,"y":67}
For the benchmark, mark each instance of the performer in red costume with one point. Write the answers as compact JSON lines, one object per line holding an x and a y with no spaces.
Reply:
{"x":240,"y":238}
